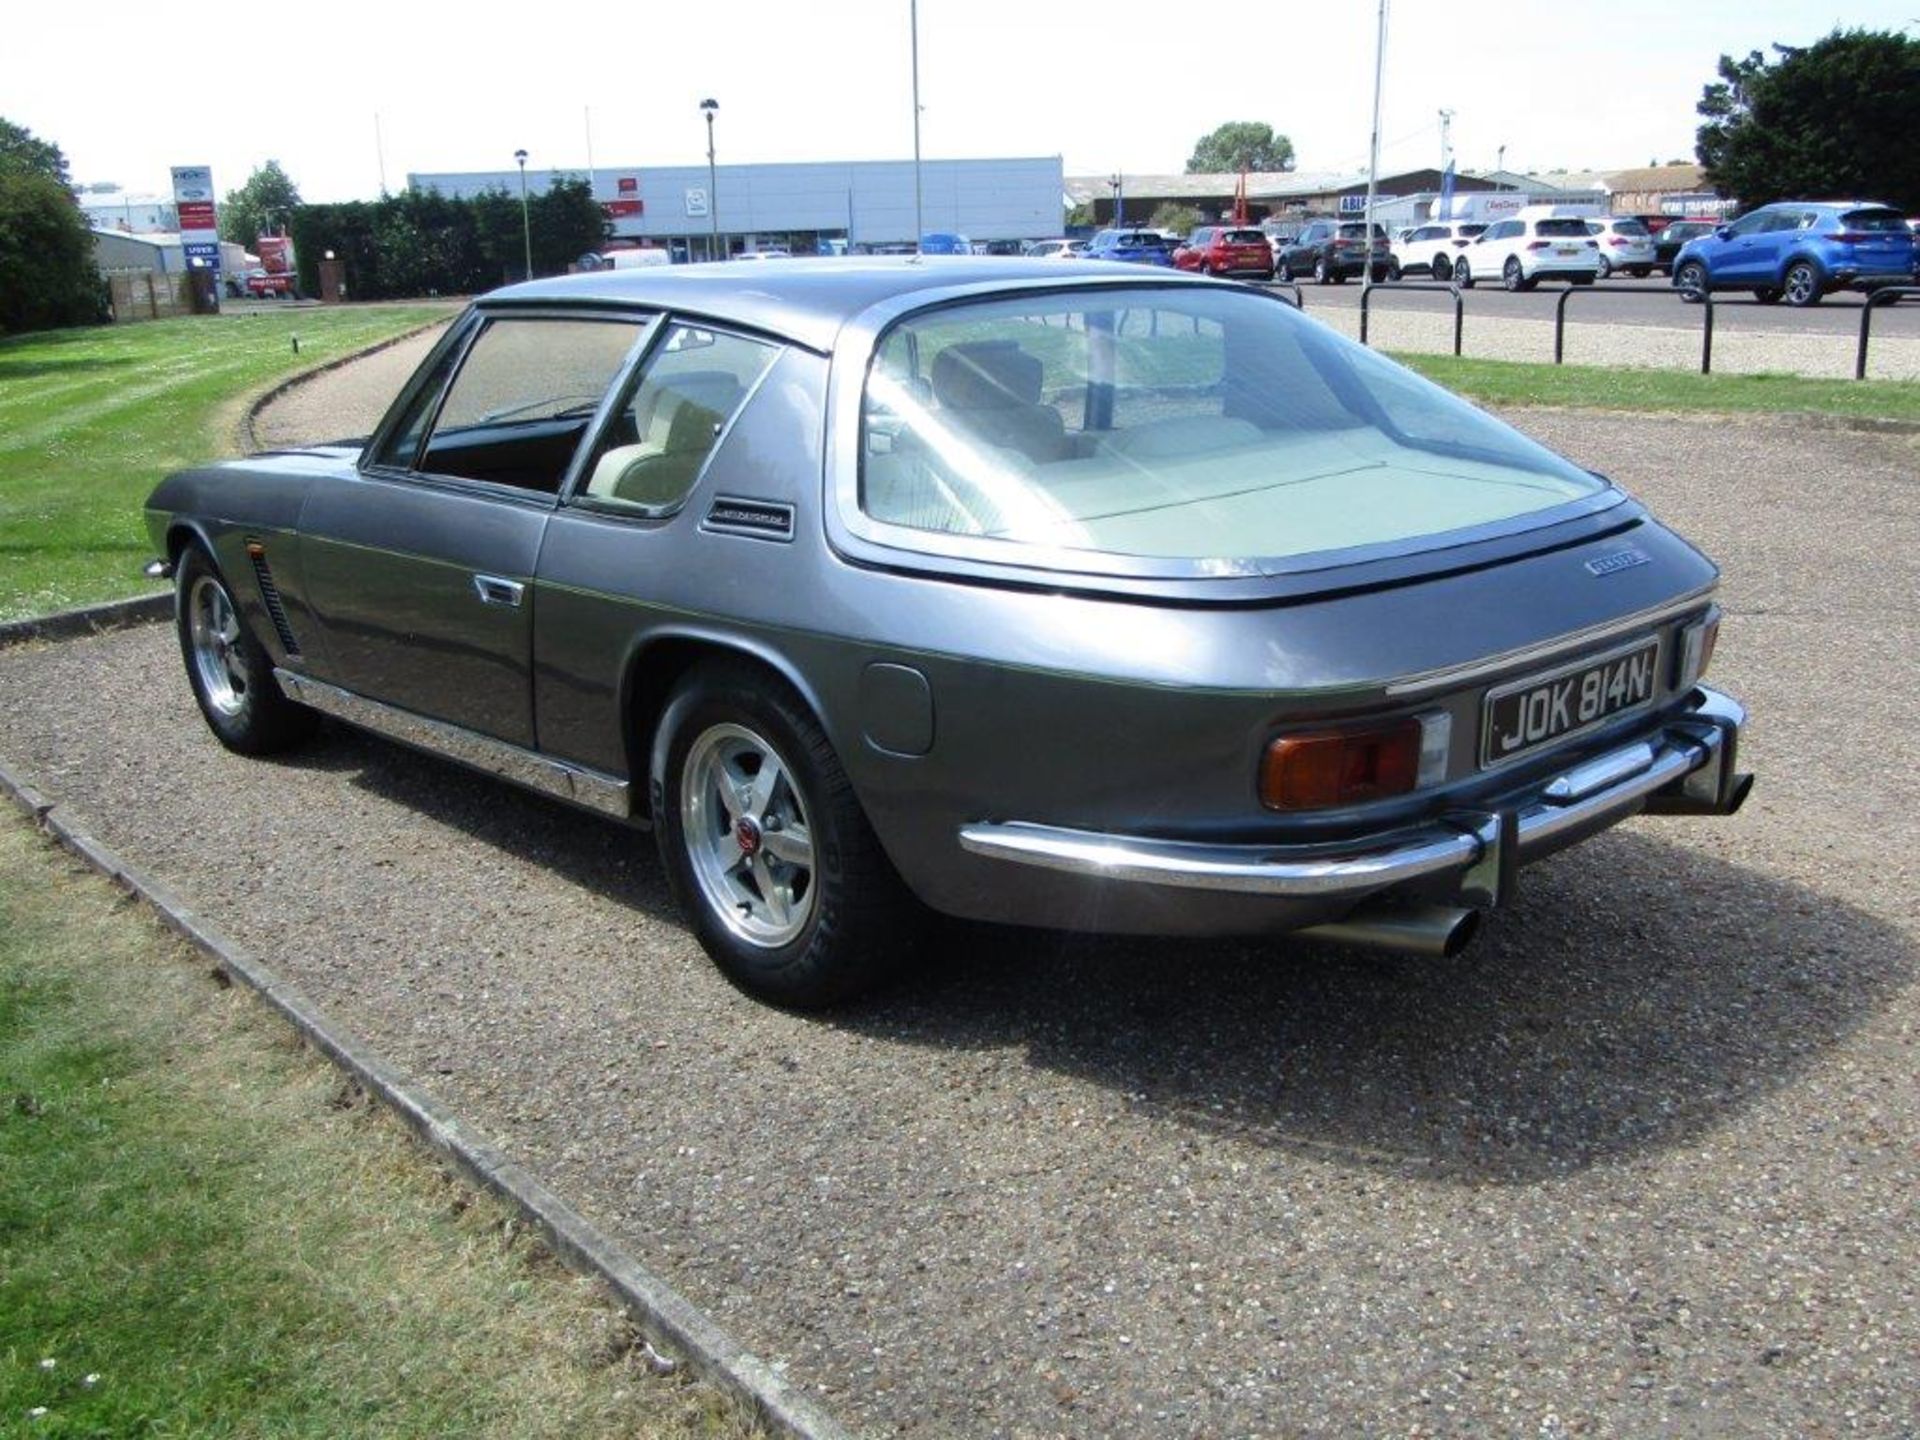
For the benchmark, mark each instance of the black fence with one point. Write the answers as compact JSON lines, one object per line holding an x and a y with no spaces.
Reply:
{"x":1885,"y":295}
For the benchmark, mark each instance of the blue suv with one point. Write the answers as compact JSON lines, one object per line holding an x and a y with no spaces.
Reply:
{"x":1798,"y":250}
{"x":1141,"y":247}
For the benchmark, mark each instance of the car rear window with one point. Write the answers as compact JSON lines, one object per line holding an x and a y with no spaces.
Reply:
{"x":1576,"y":228}
{"x":1136,"y":237}
{"x":1158,"y":424}
{"x":1630,"y":227}
{"x":1876,"y":220}
{"x":1244,"y":237}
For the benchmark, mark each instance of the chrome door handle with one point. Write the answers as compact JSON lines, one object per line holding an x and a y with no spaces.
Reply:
{"x":493,"y":590}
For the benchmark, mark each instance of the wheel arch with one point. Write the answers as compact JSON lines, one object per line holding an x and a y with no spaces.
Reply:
{"x":654,"y":670}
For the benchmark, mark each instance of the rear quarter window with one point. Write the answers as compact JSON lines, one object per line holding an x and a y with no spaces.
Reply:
{"x":1876,"y":221}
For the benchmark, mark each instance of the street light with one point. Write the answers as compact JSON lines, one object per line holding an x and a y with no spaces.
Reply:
{"x":709,"y":108}
{"x":526,"y":225}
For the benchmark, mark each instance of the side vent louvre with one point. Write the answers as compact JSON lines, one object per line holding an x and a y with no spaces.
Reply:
{"x":760,"y":519}
{"x":270,"y":593}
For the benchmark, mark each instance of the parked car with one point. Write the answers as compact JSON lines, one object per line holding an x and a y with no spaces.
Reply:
{"x":1429,"y":249}
{"x":1667,"y":242}
{"x":1527,"y":249}
{"x":1137,"y":247}
{"x":1800,"y":251}
{"x":879,"y":588}
{"x":258,"y":283}
{"x":1624,"y":244}
{"x":1226,"y":250}
{"x":941,"y":242}
{"x":1334,"y":250}
{"x":1056,"y":249}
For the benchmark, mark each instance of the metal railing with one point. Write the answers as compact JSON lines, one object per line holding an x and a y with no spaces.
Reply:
{"x":1427,"y":288}
{"x":1299,"y":299}
{"x":1885,"y":295}
{"x":1560,"y":319}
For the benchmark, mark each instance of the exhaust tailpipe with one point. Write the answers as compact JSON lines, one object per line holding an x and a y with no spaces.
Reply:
{"x":1437,"y":932}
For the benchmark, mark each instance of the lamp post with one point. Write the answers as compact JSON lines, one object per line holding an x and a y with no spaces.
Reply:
{"x":1117,"y":184}
{"x":709,"y":108}
{"x":526,"y":224}
{"x":919,"y":219}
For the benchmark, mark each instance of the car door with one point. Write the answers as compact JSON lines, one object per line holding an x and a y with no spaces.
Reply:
{"x":1741,"y":258}
{"x":419,"y":567}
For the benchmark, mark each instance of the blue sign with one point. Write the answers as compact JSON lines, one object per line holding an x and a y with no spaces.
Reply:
{"x":1357,"y":204}
{"x":203,"y":253}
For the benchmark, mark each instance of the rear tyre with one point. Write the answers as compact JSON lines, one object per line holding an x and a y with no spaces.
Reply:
{"x":1691,"y":281}
{"x":1442,"y":269}
{"x":1322,"y":272}
{"x":1768,"y":295}
{"x":1283,"y":271}
{"x":1606,"y":268}
{"x":230,"y":672}
{"x":766,"y":847}
{"x":1639,"y":272}
{"x":1802,"y":284}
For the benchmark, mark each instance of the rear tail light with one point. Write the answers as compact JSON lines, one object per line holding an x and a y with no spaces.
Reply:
{"x":1619,"y":240}
{"x":1331,"y":768}
{"x":1541,"y":244}
{"x":1850,"y":237}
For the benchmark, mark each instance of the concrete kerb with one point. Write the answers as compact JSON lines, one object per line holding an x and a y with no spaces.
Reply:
{"x":666,"y":1318}
{"x":89,"y":619}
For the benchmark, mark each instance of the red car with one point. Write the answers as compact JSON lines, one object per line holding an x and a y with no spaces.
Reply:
{"x":1226,"y":250}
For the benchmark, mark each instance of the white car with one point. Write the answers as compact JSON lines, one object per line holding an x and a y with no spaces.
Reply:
{"x":1056,"y":250}
{"x":1429,"y":249}
{"x":1527,"y":249}
{"x":1625,"y":244}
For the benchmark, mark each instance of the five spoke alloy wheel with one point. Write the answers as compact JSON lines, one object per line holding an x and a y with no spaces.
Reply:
{"x":747,"y":835}
{"x":229,"y":670}
{"x":766,"y":846}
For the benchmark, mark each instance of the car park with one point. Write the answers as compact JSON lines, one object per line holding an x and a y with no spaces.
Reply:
{"x":1668,"y":240}
{"x":1529,"y":248}
{"x":1336,"y":250}
{"x":1231,"y":250}
{"x":1135,"y":247}
{"x":1429,"y":249}
{"x":1058,"y":595}
{"x":1800,"y":251}
{"x":1624,"y":244}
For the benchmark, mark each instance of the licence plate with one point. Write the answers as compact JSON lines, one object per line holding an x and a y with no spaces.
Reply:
{"x":1566,"y":249}
{"x":1520,"y":718}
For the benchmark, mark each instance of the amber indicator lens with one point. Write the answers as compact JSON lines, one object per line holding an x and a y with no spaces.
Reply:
{"x":1340,"y":767}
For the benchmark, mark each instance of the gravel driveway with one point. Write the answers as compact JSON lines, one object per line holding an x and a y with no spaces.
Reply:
{"x":1644,"y":1161}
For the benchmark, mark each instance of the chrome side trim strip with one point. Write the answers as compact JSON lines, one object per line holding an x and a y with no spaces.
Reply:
{"x":1356,"y":868}
{"x":1547,"y":650}
{"x":589,"y":788}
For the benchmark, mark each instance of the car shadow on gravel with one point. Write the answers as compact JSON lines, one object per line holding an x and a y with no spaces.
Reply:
{"x":1635,"y":992}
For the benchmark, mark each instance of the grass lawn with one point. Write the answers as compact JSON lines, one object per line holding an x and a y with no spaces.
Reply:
{"x":204,"y":1232}
{"x":91,"y":420}
{"x":1504,"y":382}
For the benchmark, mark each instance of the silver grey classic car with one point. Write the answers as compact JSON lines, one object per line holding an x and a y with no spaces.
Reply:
{"x":1034,"y":592}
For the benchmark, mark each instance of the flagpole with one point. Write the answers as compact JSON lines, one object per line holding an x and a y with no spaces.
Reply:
{"x":1373,"y":149}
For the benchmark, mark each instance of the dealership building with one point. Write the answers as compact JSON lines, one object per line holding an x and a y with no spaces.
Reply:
{"x":826,"y":205}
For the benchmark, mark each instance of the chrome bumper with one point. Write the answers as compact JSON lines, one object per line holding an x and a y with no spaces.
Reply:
{"x":1687,"y":768}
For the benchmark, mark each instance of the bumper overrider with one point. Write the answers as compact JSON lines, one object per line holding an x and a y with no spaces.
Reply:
{"x":1468,"y":858}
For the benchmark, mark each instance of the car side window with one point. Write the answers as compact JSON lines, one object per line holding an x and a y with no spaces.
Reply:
{"x":1753,"y":224}
{"x":523,"y":397}
{"x":677,"y":407}
{"x":403,"y":446}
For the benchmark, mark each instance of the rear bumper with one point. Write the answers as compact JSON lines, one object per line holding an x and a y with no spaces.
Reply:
{"x":1687,"y":766}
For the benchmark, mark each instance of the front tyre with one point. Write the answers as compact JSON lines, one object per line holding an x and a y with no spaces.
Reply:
{"x":766,"y":847}
{"x":230,"y":672}
{"x":1512,"y":276}
{"x":1463,"y":273}
{"x":1691,"y":281}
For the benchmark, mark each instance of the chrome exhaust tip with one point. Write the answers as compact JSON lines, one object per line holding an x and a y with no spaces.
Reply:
{"x":1435,"y":932}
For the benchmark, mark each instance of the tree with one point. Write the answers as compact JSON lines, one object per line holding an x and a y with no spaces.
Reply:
{"x":1833,"y":118}
{"x":260,"y":207}
{"x":1179,"y":219}
{"x":47,"y":277}
{"x":21,"y":149}
{"x":1240,"y":145}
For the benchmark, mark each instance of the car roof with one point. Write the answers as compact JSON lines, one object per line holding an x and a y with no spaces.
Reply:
{"x":810,"y":300}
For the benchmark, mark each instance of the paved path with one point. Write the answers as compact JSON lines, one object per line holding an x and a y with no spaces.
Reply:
{"x":1644,"y":1162}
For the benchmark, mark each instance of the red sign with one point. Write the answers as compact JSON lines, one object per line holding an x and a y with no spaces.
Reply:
{"x":623,"y":207}
{"x":196,"y":215}
{"x":629,"y":185}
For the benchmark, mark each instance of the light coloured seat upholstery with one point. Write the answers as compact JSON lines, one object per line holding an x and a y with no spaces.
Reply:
{"x":991,"y":390}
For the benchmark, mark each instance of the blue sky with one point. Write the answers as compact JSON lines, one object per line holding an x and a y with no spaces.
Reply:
{"x":127,"y":91}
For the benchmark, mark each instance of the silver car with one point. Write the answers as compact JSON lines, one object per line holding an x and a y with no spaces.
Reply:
{"x":1035,"y":591}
